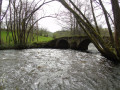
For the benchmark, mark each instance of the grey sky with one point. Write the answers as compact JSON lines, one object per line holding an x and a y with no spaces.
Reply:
{"x":49,"y":23}
{"x":52,"y":23}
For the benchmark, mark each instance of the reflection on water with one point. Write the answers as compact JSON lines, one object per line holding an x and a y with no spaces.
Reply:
{"x":54,"y":69}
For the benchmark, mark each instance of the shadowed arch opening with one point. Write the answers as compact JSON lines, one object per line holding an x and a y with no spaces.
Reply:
{"x":83,"y":46}
{"x":63,"y":44}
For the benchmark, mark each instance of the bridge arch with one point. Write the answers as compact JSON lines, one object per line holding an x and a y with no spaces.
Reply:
{"x":62,"y":44}
{"x":83,"y":45}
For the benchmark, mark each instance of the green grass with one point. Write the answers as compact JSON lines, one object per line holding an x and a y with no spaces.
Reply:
{"x":40,"y":39}
{"x":7,"y":40}
{"x":43,"y":39}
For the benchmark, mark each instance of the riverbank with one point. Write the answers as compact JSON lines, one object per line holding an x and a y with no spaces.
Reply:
{"x":8,"y":42}
{"x":29,"y":46}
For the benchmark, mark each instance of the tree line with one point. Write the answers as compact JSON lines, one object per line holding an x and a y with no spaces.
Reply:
{"x":20,"y":18}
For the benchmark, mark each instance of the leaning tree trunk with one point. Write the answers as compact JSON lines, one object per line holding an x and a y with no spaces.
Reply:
{"x":89,"y":29}
{"x":95,"y":21}
{"x":108,"y":23}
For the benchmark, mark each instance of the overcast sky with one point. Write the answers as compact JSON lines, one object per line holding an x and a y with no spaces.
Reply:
{"x":50,"y":24}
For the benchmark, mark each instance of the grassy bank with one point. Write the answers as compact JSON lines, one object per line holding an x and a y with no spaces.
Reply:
{"x":7,"y":40}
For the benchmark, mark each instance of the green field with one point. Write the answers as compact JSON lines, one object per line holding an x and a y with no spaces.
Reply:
{"x":8,"y":40}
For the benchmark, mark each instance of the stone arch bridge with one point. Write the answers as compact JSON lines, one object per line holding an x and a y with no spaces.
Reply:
{"x":76,"y":42}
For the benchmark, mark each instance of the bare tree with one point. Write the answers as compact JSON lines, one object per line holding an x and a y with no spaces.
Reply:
{"x":116,"y":15}
{"x":2,"y":16}
{"x":70,"y":23}
{"x":109,"y":51}
{"x":22,"y":19}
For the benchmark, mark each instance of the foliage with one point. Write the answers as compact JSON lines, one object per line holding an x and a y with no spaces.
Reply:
{"x":45,"y":32}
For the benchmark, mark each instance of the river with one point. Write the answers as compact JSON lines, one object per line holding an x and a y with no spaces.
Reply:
{"x":55,"y":69}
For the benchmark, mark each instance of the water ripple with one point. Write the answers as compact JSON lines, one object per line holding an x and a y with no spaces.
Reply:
{"x":54,"y":69}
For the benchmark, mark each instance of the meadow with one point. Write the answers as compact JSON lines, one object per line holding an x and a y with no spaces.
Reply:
{"x":7,"y":39}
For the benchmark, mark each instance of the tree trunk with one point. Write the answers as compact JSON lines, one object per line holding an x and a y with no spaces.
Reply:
{"x":95,"y":37}
{"x":0,"y":19}
{"x":116,"y":14}
{"x":108,"y":23}
{"x":94,"y":17}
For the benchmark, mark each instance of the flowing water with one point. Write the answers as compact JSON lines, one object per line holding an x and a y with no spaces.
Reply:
{"x":55,"y":69}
